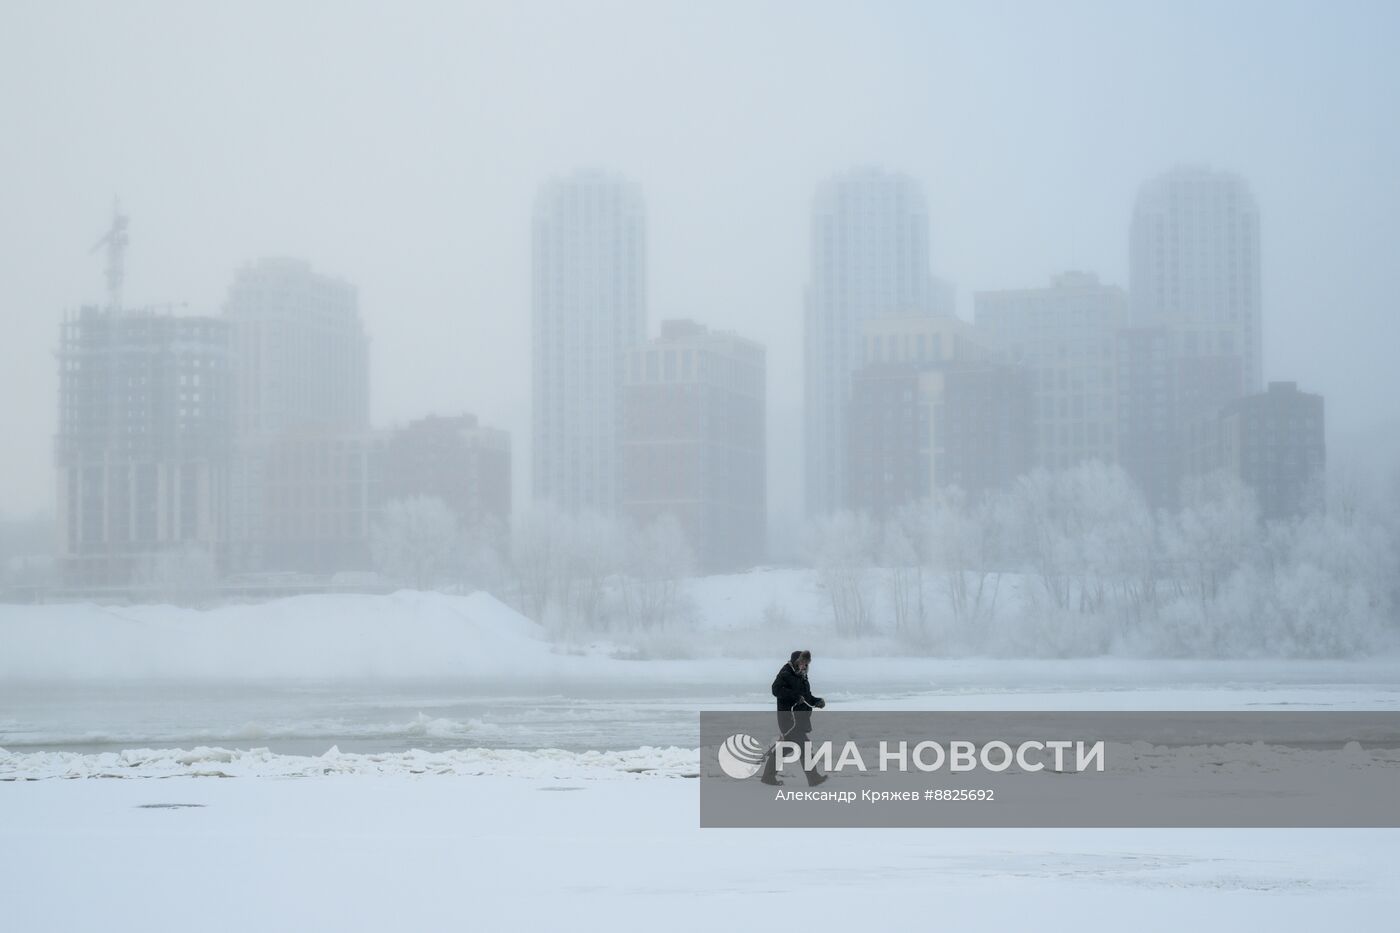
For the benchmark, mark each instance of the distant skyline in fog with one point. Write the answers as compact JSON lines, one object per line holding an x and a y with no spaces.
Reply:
{"x":403,"y":148}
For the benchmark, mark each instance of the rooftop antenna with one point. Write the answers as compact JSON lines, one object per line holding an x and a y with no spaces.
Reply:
{"x":115,"y":240}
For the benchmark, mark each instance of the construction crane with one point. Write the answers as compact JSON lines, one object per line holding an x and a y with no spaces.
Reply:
{"x":115,"y":240}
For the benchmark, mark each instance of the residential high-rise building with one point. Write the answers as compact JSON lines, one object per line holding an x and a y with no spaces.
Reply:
{"x":869,"y":256}
{"x":301,"y":349}
{"x":1066,"y":338}
{"x":302,"y":377}
{"x":1165,"y":386}
{"x":315,"y":500}
{"x":889,"y":445}
{"x":589,"y":311}
{"x":983,"y":432}
{"x":1195,"y":338}
{"x":455,"y":459}
{"x":1194,"y":264}
{"x":930,"y":408}
{"x":144,"y":436}
{"x":1274,"y":441}
{"x":693,"y":441}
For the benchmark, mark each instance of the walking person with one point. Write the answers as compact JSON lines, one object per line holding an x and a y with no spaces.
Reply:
{"x":795,"y":702}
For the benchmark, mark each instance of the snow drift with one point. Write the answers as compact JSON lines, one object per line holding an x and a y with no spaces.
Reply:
{"x":403,"y":635}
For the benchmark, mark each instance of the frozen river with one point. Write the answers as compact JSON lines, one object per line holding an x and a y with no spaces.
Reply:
{"x":655,"y":704}
{"x":372,"y":845}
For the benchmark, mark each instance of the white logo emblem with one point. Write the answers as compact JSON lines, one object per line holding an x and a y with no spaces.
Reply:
{"x":741,"y":756}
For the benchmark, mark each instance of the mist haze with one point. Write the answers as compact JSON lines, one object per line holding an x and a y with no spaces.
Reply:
{"x":440,"y":403}
{"x":403,"y":150}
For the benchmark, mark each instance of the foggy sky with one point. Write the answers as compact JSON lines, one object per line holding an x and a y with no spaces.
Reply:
{"x":401,"y":146}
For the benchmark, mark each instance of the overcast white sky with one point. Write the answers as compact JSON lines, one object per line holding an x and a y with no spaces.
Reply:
{"x":400,"y":146}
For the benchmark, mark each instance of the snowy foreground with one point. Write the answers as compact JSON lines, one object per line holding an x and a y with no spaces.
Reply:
{"x":624,"y":853}
{"x":488,"y":839}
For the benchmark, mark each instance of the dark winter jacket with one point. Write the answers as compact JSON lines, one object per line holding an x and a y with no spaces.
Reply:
{"x":793,"y":692}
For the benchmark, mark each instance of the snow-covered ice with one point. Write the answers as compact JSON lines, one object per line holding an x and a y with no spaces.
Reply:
{"x":360,"y":852}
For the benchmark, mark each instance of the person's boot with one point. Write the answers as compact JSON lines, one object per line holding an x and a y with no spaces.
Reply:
{"x":770,"y":770}
{"x":815,"y":777}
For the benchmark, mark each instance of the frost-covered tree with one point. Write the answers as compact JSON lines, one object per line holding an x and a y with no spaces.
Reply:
{"x":1087,"y":540}
{"x":658,"y":563}
{"x":484,"y":555}
{"x":563,"y":563}
{"x":1066,"y":523}
{"x":416,"y":541}
{"x":1205,"y":542}
{"x":966,"y":546}
{"x":1330,"y":580}
{"x":842,"y":549}
{"x":904,"y":556}
{"x":537,"y":557}
{"x":597,"y":551}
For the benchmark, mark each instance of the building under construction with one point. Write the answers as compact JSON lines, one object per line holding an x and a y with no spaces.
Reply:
{"x":144,"y":438}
